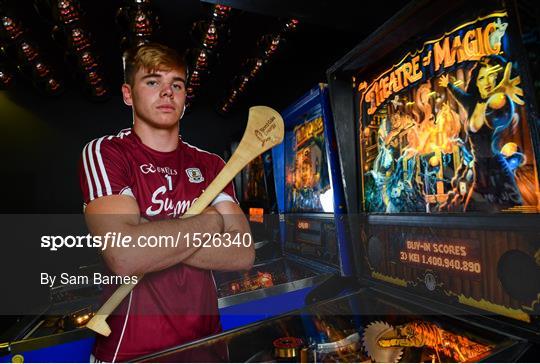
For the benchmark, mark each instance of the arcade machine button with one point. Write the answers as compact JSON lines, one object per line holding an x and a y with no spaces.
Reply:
{"x":287,"y":347}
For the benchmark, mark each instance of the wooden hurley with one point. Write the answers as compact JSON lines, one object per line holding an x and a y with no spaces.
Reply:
{"x":264,"y":130}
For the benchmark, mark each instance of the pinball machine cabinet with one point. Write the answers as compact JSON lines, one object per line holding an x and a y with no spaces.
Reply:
{"x":446,"y":179}
{"x":444,"y":197}
{"x":308,"y":185}
{"x":310,"y":203}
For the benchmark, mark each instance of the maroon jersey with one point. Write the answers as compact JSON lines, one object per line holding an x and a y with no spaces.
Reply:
{"x":175,"y":305}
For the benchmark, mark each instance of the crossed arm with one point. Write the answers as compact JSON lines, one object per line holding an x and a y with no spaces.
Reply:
{"x":121,"y":214}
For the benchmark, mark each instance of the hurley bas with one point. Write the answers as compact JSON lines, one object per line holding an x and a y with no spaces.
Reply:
{"x":96,"y":278}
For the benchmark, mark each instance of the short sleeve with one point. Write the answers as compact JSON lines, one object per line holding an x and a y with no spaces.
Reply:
{"x":228,"y":193}
{"x":103,"y":170}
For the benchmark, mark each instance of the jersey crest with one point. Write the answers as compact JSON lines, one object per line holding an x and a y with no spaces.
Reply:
{"x":194,"y":175}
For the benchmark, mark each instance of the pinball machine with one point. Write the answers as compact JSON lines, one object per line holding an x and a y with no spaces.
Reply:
{"x":311,"y":244}
{"x":437,"y":129}
{"x":259,"y":203}
{"x":255,"y":190}
{"x":308,"y":185}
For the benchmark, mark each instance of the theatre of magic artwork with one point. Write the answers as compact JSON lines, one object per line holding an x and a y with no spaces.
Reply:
{"x":446,"y":129}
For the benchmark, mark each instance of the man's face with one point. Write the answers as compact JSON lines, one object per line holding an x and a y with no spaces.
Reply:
{"x":157,"y":97}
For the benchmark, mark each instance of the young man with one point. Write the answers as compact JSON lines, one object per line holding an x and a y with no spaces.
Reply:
{"x":139,"y":183}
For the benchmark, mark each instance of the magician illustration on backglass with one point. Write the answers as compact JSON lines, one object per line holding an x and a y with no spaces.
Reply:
{"x":445,"y":129}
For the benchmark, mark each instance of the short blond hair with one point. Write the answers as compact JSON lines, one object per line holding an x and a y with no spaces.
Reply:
{"x":152,"y":57}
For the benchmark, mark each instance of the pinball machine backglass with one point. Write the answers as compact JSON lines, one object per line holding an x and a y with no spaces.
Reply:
{"x":308,"y":186}
{"x":445,"y":128}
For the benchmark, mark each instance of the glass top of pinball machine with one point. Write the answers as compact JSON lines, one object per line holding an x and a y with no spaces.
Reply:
{"x":362,"y":327}
{"x":267,"y":279}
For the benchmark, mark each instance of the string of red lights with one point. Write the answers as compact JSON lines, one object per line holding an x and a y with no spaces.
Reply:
{"x":31,"y":63}
{"x":268,"y":46}
{"x":207,"y":49}
{"x":139,"y":22}
{"x":78,"y":42}
{"x":6,"y":73}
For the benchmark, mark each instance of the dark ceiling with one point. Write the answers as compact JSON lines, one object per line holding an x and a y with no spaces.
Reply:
{"x":326,"y":31}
